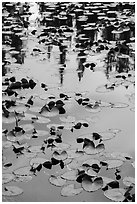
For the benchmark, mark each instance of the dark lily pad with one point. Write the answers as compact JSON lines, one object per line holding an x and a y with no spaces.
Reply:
{"x":70,"y":190}
{"x":57,"y":181}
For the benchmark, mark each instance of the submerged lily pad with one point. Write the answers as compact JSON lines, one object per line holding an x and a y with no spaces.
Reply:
{"x":37,"y":161}
{"x":35,"y":149}
{"x":11,"y":191}
{"x":7,"y":177}
{"x":116,"y":194}
{"x":61,"y":146}
{"x":57,"y":181}
{"x":70,"y":190}
{"x":9,"y":119}
{"x":128,"y":181}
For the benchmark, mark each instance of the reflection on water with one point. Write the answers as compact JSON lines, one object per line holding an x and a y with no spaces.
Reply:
{"x":84,"y":53}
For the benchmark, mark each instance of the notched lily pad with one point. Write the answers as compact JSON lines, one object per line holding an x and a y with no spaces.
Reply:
{"x":70,"y":190}
{"x":11,"y":191}
{"x":60,"y":155}
{"x":57,"y":181}
{"x":90,"y":184}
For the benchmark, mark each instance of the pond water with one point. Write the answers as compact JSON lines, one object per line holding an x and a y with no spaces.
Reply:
{"x":64,"y":73}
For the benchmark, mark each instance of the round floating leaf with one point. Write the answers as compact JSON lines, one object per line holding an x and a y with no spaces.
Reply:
{"x":35,"y":109}
{"x":52,"y":113}
{"x":113,"y":163}
{"x":70,"y":190}
{"x":40,"y":133}
{"x":70,"y":175}
{"x":90,"y":172}
{"x":74,"y":153}
{"x":68,"y":119}
{"x":23,"y":171}
{"x":107,"y":135}
{"x":104,"y":89}
{"x":106,"y":180}
{"x":60,"y":155}
{"x":18,"y":109}
{"x":90,"y":162}
{"x":11,"y":191}
{"x":61,"y":146}
{"x":128,"y":181}
{"x":116,"y":194}
{"x":121,"y":156}
{"x":29,"y":154}
{"x":8,"y":120}
{"x":37,"y":161}
{"x":6,"y":144}
{"x":6,"y":178}
{"x":93,"y":109}
{"x":23,"y":178}
{"x":91,"y":185}
{"x":42,"y":120}
{"x":27,"y":127}
{"x":35,"y":149}
{"x":119,"y":105}
{"x":57,"y":180}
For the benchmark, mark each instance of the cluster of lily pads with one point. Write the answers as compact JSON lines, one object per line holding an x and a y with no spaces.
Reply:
{"x":83,"y":165}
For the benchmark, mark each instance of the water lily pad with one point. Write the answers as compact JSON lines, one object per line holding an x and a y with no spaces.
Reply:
{"x":35,"y":109}
{"x":61,"y":146}
{"x":11,"y":191}
{"x":37,"y":161}
{"x":23,"y":171}
{"x":60,"y":155}
{"x":74,"y":153}
{"x":119,"y":105}
{"x":68,"y":119}
{"x":128,"y":181}
{"x":91,"y":149}
{"x":116,"y":194}
{"x":91,"y":185}
{"x":113,"y":163}
{"x":8,"y":120}
{"x":40,"y":133}
{"x":70,"y":175}
{"x":27,"y":127}
{"x":23,"y":178}
{"x":7,"y":177}
{"x":6,"y":144}
{"x":70,"y":190}
{"x":107,"y":135}
{"x":42,"y":120}
{"x":106,"y":180}
{"x":93,"y":109}
{"x":121,"y":156}
{"x":18,"y":109}
{"x":28,"y":116}
{"x":57,"y":181}
{"x":35,"y":149}
{"x":54,"y":112}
